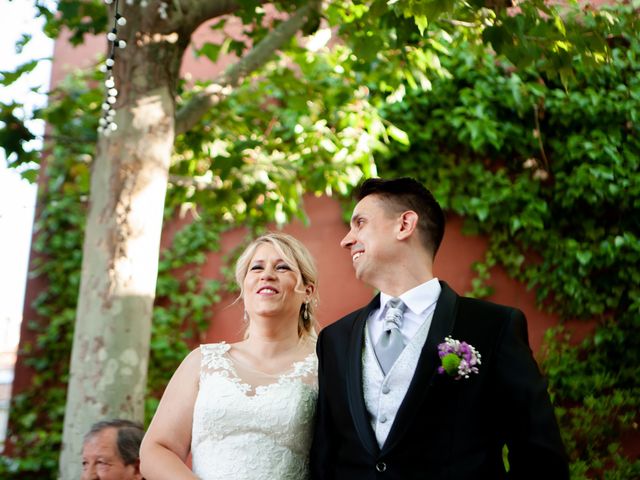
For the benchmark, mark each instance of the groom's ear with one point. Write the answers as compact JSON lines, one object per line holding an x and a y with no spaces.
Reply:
{"x":407,"y":223}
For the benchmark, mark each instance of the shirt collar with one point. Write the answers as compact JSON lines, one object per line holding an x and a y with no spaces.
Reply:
{"x":419,"y":298}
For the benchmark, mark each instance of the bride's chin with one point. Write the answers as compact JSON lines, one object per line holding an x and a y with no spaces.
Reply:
{"x":265,"y":313}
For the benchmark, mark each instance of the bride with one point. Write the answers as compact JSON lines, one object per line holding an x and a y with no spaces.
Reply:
{"x":245,"y":410}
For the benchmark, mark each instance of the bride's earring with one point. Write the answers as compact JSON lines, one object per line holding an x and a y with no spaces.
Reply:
{"x":305,"y":311}
{"x":245,"y":316}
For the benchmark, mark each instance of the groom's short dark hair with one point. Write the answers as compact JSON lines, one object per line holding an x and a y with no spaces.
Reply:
{"x":405,"y":193}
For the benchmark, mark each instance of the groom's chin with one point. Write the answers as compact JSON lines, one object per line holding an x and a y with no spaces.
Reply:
{"x":360,"y":273}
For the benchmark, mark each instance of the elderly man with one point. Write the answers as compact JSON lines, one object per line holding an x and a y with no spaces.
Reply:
{"x":111,"y":451}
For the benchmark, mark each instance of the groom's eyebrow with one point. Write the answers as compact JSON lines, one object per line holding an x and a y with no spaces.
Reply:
{"x":355,"y":218}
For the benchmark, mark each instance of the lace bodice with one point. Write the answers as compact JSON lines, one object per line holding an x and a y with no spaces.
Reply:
{"x":249,"y":425}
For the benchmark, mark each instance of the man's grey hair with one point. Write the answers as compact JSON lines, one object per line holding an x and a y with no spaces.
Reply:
{"x":130,"y":435}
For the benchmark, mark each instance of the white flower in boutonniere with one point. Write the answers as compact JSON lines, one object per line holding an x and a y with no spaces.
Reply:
{"x":459,"y":359}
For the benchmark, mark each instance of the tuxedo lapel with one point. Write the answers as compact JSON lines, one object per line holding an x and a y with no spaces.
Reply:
{"x":355,"y":391}
{"x":441,"y":326}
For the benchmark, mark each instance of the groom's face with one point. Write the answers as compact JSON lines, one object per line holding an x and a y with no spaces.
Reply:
{"x":371,"y":239}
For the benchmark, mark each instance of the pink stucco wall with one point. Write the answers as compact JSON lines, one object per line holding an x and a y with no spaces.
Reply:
{"x":341,"y":293}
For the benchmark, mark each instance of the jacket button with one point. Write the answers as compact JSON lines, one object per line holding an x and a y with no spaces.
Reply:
{"x":381,"y":466}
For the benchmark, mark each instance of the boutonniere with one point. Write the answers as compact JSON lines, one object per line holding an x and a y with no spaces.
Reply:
{"x":459,"y":359}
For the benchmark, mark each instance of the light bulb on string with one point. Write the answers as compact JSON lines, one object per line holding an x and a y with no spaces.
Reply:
{"x":106,"y":125}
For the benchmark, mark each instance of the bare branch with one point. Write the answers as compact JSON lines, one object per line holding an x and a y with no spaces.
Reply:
{"x":193,"y":111}
{"x":199,"y":183}
{"x":191,"y":13}
{"x":459,"y":23}
{"x":538,"y":134}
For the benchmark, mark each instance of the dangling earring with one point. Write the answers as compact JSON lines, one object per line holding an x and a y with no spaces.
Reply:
{"x":246,"y":316}
{"x":305,"y":311}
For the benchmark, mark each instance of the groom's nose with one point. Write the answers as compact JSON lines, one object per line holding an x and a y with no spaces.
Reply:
{"x":348,"y":240}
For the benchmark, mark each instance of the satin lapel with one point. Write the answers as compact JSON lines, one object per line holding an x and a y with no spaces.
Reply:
{"x":441,"y":326}
{"x":355,"y":393}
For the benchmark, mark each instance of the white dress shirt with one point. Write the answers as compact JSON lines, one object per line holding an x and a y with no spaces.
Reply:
{"x":420,"y":302}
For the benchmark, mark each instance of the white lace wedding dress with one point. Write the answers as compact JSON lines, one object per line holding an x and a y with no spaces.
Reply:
{"x":249,"y":425}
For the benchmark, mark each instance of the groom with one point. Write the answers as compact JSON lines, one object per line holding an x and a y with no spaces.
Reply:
{"x":385,"y":408}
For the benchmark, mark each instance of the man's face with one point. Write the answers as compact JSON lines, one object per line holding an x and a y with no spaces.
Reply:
{"x":101,"y":459}
{"x":372,"y":239}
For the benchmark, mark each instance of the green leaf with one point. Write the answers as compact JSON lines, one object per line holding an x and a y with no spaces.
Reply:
{"x":213,"y":51}
{"x":398,"y":135}
{"x":421,"y":22}
{"x":584,"y":257}
{"x":8,"y":77}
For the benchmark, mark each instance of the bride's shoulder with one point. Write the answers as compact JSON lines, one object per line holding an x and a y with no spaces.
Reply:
{"x":308,"y":365}
{"x":214,"y":348}
{"x":212,"y":355}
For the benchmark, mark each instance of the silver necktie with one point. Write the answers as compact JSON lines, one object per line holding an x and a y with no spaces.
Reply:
{"x":391,"y":344}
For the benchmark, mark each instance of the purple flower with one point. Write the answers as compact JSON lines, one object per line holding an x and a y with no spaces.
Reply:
{"x":459,"y":359}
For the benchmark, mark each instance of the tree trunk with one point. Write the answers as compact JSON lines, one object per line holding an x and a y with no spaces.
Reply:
{"x":121,"y":246}
{"x":122,"y":236}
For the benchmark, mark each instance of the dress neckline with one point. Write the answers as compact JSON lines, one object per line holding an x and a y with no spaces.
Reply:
{"x":222,"y":362}
{"x":287,"y":372}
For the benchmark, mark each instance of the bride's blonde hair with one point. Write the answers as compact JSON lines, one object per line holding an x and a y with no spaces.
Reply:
{"x":298,"y":256}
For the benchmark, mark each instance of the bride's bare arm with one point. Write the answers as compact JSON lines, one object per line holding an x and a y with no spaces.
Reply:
{"x":167,"y":443}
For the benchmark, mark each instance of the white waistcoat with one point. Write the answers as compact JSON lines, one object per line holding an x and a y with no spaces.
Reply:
{"x":384,"y":394}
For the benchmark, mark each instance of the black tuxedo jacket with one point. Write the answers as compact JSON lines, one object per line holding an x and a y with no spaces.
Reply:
{"x":445,"y":428}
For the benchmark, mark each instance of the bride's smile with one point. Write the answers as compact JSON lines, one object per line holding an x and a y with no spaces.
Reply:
{"x":272,"y":286}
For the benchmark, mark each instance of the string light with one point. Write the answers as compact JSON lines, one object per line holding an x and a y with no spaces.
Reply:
{"x":162,"y":10}
{"x":106,"y":124}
